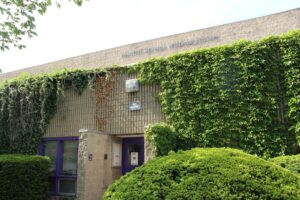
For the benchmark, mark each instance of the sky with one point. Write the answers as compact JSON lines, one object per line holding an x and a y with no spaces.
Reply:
{"x":102,"y":24}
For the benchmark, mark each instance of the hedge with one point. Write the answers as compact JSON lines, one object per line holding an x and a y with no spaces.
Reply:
{"x":23,"y":177}
{"x":291,"y":163}
{"x":204,"y":173}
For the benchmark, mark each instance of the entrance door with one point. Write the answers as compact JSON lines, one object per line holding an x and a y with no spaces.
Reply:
{"x":132,"y":153}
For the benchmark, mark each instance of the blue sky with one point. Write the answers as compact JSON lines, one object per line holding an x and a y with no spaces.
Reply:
{"x":100,"y":24}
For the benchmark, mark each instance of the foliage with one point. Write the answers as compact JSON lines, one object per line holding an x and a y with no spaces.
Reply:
{"x":163,"y":138}
{"x":245,"y":95}
{"x":290,"y":50}
{"x":291,"y":163}
{"x":27,"y":104}
{"x":207,"y":174}
{"x":18,"y":20}
{"x":23,"y":177}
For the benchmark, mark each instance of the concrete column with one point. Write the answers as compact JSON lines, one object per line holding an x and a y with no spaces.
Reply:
{"x":92,"y":158}
{"x":95,"y":171}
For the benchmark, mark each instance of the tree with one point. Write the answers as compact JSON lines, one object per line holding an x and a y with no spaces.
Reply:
{"x":17,"y":19}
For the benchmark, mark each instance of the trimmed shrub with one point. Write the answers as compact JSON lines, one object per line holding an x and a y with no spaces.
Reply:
{"x":23,"y":177}
{"x":163,"y":138}
{"x":291,"y":163}
{"x":207,"y":173}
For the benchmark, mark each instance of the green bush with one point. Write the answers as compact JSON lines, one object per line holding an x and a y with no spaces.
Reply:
{"x":23,"y":177}
{"x":207,"y":173}
{"x":163,"y":138}
{"x":291,"y":163}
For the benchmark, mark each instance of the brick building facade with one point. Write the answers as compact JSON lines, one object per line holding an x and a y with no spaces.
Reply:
{"x":102,"y":151}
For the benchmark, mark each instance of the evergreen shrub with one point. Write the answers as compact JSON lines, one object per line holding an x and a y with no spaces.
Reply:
{"x":207,"y":173}
{"x":23,"y":177}
{"x":291,"y":162}
{"x":163,"y":138}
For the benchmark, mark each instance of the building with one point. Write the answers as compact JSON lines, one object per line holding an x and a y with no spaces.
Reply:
{"x":92,"y":141}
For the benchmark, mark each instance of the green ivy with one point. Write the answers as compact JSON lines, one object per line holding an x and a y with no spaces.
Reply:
{"x":290,"y":48}
{"x":245,"y":95}
{"x":28,"y":103}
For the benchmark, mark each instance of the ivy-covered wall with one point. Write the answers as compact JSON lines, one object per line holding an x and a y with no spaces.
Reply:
{"x":28,"y":103}
{"x":245,"y":95}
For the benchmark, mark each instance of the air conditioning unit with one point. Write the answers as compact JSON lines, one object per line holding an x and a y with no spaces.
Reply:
{"x":132,"y":85}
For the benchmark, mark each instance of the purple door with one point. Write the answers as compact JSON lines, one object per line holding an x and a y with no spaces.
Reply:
{"x":132,"y":153}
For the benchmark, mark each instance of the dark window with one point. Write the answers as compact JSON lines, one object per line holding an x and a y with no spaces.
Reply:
{"x":63,"y":153}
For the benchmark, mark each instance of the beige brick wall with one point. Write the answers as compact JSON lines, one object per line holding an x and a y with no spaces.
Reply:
{"x":115,"y":114}
{"x":82,"y":111}
{"x":74,"y":112}
{"x":251,"y":29}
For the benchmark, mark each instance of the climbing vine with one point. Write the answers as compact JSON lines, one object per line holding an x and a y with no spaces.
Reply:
{"x":27,"y":104}
{"x":245,"y":95}
{"x":290,"y":48}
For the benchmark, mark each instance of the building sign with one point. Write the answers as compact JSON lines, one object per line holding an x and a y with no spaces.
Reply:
{"x":135,"y":105}
{"x":175,"y":45}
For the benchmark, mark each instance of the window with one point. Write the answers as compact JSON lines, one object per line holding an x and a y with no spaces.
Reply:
{"x":63,"y":171}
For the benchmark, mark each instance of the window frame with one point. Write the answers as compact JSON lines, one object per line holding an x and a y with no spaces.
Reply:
{"x":59,"y":163}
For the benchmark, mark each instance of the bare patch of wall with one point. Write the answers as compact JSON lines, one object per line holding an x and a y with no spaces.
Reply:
{"x":111,"y":113}
{"x":114,"y":115}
